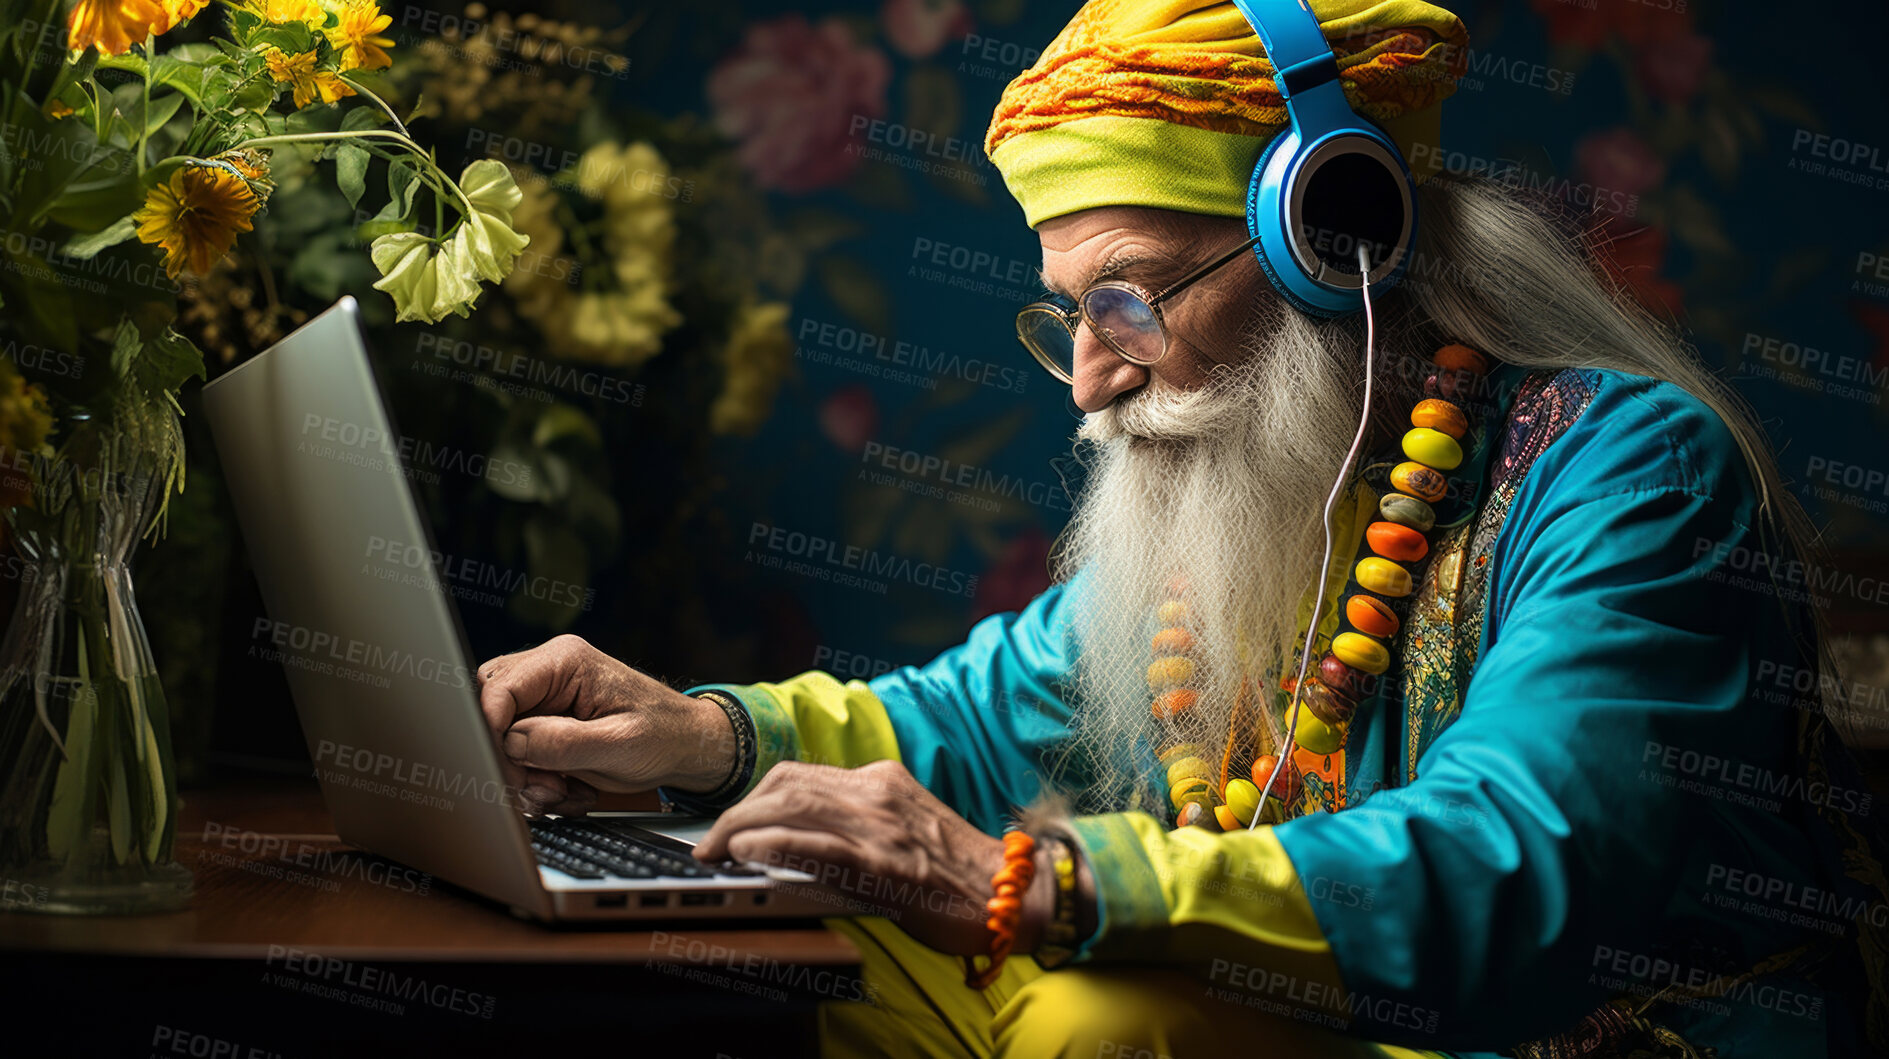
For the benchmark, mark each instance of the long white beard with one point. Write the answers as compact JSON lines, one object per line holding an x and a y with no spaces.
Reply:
{"x":1222,"y":488}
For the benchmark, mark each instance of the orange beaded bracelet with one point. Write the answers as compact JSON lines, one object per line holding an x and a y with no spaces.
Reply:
{"x":1005,"y":907}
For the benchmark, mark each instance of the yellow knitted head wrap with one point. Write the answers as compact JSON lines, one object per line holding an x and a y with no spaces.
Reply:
{"x":1170,"y":103}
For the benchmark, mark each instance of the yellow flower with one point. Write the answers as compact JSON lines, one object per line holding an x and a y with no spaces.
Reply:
{"x":622,"y":319}
{"x":760,"y":349}
{"x":56,"y":110}
{"x":306,"y":11}
{"x":177,"y":12}
{"x":299,"y":71}
{"x":25,"y":423}
{"x":252,"y":164}
{"x":357,"y":38}
{"x":113,"y":25}
{"x":195,"y":216}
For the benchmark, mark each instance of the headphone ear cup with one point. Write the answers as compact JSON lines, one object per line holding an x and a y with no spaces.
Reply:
{"x":1259,"y":179}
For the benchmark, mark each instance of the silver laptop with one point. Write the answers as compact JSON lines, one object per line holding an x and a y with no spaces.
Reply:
{"x":377,"y":660}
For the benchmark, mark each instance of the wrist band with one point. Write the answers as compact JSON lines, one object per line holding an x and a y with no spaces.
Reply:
{"x":1005,"y":906}
{"x":1059,"y":936}
{"x":745,"y":744}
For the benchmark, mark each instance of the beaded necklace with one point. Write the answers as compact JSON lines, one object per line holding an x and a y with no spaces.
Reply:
{"x":1204,"y":796}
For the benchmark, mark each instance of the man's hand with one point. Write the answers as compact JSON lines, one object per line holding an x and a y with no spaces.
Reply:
{"x":875,"y":837}
{"x":571,"y":721}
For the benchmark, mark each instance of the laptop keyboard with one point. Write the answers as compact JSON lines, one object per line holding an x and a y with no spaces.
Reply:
{"x":590,"y":849}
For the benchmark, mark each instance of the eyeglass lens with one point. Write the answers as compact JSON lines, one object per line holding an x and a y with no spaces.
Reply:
{"x":1120,"y":317}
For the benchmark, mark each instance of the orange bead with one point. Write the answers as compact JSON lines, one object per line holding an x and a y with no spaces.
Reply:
{"x":1371,"y":615}
{"x":1392,"y":541}
{"x":1440,"y":416}
{"x":1173,"y":640}
{"x":1456,"y":357}
{"x":1174,"y":702}
{"x":1288,"y":785}
{"x":1228,"y":822}
{"x":1424,"y":483}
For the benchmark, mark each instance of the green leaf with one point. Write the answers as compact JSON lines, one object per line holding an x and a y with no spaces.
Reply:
{"x":44,"y":308}
{"x":402,"y":181}
{"x":72,"y":72}
{"x":351,"y":172}
{"x":100,"y":194}
{"x":162,"y":109}
{"x":196,"y":53}
{"x":293,"y":38}
{"x":243,"y":23}
{"x":86,"y":247}
{"x":168,"y":359}
{"x":60,"y":150}
{"x":130,"y":62}
{"x":159,"y":365}
{"x":363,"y":118}
{"x":254,"y":95}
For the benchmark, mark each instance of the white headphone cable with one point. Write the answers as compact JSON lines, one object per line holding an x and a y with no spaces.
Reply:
{"x":1324,"y":567}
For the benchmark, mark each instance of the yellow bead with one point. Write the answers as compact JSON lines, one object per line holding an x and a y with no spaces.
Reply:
{"x":1170,"y":672}
{"x":1315,"y":735}
{"x":1188,"y":768}
{"x":1433,"y":448}
{"x":1361,"y":652}
{"x":1242,"y":799}
{"x":1191,"y":789}
{"x":1173,"y":612}
{"x":1383,"y":577}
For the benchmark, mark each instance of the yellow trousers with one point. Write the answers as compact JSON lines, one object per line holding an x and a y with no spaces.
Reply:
{"x":921,"y":1007}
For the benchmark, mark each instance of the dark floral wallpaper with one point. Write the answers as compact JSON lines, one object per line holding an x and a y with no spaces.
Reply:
{"x":762,"y":364}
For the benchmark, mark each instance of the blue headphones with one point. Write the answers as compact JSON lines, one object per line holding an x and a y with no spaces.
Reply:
{"x":1328,"y":182}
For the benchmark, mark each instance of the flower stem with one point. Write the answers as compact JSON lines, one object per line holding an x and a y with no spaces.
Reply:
{"x":144,"y":117}
{"x":363,"y":90}
{"x":431,"y":167}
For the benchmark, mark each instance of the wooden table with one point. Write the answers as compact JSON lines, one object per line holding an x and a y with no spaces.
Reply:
{"x":296,"y":946}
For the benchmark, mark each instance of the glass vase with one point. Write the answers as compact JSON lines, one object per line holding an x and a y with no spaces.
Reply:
{"x":88,"y":803}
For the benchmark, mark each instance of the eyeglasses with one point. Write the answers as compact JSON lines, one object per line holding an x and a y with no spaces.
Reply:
{"x":1123,"y":315}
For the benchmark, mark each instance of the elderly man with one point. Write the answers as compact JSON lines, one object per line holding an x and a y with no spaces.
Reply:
{"x":1549,"y":783}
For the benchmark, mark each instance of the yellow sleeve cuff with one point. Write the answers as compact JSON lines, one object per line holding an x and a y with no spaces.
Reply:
{"x":813,"y":717}
{"x":1229,"y":905}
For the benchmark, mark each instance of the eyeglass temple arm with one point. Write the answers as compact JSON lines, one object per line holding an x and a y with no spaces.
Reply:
{"x":1175,"y":287}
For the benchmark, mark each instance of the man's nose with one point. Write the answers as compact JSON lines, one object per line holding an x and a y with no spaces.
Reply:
{"x":1101,"y":374}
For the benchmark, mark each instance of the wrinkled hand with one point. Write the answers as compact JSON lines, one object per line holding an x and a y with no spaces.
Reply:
{"x":572,"y":721}
{"x":872,"y":836}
